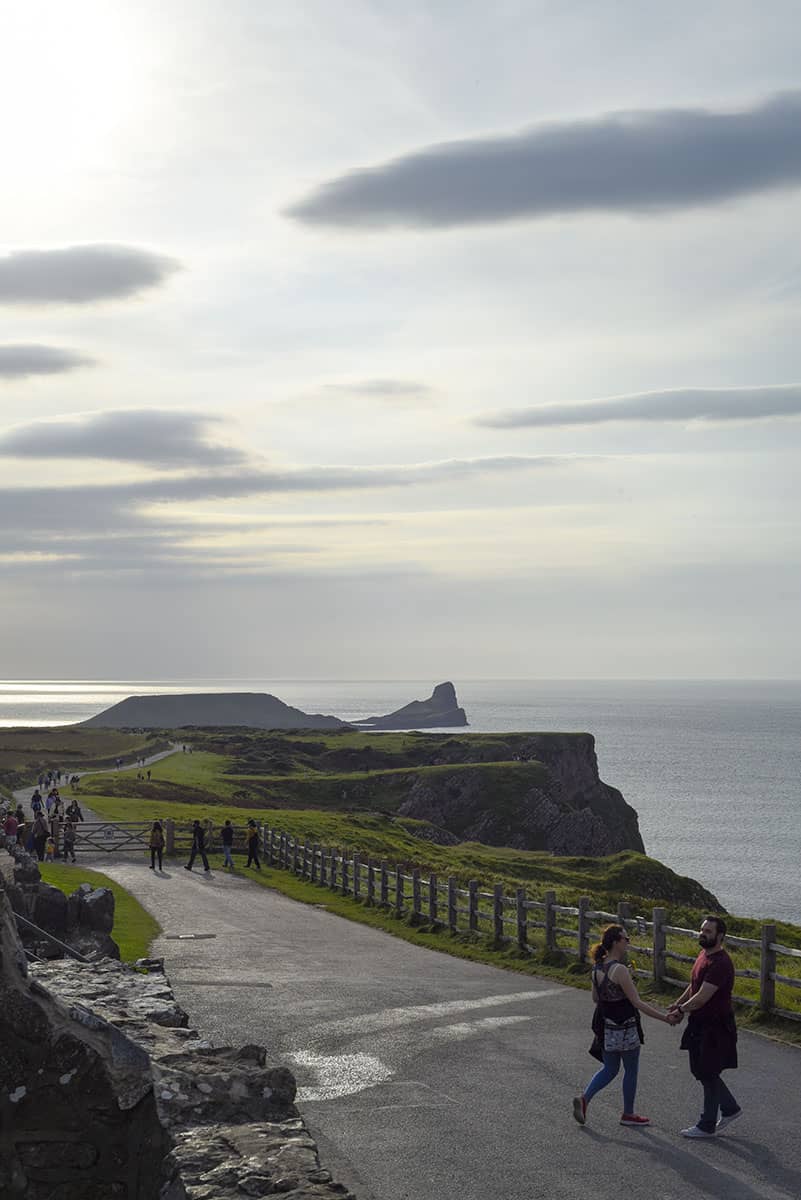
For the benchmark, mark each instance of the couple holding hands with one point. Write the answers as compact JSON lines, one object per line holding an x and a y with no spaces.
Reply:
{"x":710,"y":1035}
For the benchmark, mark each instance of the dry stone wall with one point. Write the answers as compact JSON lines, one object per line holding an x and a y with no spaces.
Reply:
{"x":106,"y":1094}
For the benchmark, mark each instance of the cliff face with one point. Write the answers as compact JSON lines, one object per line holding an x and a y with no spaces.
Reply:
{"x":554,"y":800}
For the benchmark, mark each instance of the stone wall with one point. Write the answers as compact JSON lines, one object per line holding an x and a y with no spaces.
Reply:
{"x":106,"y":1094}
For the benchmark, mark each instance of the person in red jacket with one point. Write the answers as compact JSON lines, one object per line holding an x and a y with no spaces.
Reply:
{"x":711,"y":1033}
{"x":10,"y":826}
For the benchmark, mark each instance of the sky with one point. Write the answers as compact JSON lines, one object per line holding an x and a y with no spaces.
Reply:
{"x":350,"y":339}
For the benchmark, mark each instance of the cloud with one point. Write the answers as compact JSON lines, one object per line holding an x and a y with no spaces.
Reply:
{"x":631,"y":161}
{"x":18,"y":362}
{"x":674,"y":404}
{"x":80,"y":274}
{"x":147,"y":436}
{"x":384,"y":389}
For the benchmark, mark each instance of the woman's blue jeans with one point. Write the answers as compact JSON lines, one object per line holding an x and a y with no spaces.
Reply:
{"x":612,"y":1061}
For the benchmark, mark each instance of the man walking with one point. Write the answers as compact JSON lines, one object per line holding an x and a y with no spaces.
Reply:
{"x":711,"y":1033}
{"x":198,"y":847}
{"x":227,"y":838}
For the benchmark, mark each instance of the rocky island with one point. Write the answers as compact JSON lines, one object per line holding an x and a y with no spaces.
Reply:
{"x":260,"y":710}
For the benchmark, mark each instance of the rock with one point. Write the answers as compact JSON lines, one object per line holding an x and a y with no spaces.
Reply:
{"x":97,"y":910}
{"x":26,"y":868}
{"x":76,"y":1094}
{"x":248,"y":709}
{"x":49,"y":910}
{"x":93,"y":945}
{"x":440,"y":710}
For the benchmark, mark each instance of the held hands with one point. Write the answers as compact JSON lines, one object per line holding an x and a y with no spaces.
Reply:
{"x":673,"y":1016}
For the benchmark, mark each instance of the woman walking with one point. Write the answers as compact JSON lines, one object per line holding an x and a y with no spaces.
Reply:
{"x":618,"y":1032}
{"x":40,"y":835}
{"x":156,"y":844}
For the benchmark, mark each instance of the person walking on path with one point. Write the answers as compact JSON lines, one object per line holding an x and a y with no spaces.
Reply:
{"x":10,"y":826}
{"x":616,"y":1025}
{"x":74,"y":811}
{"x":69,"y":840}
{"x":157,"y":846}
{"x":40,"y":835}
{"x":711,"y":1033}
{"x":227,"y":838}
{"x":198,"y":847}
{"x":253,"y":846}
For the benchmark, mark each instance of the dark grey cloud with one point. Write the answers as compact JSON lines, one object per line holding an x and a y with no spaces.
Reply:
{"x":631,"y":161}
{"x":147,"y":436}
{"x":80,"y":274}
{"x":674,"y":404}
{"x":19,"y":362}
{"x":79,"y":510}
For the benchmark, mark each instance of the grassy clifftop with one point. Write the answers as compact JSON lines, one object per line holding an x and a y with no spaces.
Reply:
{"x":527,"y":791}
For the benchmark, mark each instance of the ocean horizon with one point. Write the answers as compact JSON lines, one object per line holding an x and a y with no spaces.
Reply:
{"x":713,"y":767}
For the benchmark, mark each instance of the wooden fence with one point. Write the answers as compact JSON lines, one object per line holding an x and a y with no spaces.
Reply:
{"x":510,"y":918}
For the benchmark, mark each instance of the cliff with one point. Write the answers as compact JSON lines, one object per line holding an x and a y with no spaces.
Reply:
{"x":440,"y":711}
{"x":253,"y":710}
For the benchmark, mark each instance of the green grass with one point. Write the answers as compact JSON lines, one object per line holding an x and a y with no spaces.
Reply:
{"x":134,"y":928}
{"x":26,"y":752}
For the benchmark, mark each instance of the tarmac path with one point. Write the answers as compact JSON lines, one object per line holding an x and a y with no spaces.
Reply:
{"x":426,"y":1077}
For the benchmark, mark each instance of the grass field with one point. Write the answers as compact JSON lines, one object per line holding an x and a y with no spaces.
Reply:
{"x":134,"y":928}
{"x":26,"y":752}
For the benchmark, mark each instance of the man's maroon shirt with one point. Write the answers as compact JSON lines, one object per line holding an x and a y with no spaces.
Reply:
{"x":717,"y":969}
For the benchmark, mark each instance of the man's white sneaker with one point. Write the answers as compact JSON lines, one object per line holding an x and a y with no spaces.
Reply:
{"x":696,"y":1132}
{"x":727,"y":1120}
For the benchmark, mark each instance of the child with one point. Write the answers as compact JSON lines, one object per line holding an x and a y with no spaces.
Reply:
{"x":50,"y":850}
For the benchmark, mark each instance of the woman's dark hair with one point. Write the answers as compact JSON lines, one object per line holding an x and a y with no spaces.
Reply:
{"x":156,"y":825}
{"x":612,"y":934}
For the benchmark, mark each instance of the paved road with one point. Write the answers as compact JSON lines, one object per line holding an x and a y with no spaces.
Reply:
{"x":425,"y":1077}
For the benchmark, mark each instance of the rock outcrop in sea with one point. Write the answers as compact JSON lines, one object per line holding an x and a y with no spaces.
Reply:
{"x":440,"y":711}
{"x":250,"y":710}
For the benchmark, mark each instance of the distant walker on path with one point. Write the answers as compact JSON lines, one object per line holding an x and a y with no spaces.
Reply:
{"x":198,"y":847}
{"x":227,"y":838}
{"x":157,"y":845}
{"x":253,"y":846}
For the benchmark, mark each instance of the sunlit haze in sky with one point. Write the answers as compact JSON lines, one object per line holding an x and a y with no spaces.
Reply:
{"x":354,"y":339}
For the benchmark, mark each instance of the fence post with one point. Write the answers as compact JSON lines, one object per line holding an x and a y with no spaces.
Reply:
{"x":398,"y":889}
{"x":417,"y":900}
{"x":767,"y":967}
{"x":295,"y":854}
{"x":357,"y":874}
{"x":583,"y":928}
{"x":282,"y":850}
{"x":323,"y":861}
{"x":497,"y":911}
{"x":549,"y":899}
{"x":623,"y":912}
{"x":313,"y":866}
{"x":433,"y":900}
{"x":659,"y":944}
{"x":345,"y":865}
{"x":170,"y":836}
{"x":472,"y":904}
{"x":384,"y":893}
{"x":332,"y":874}
{"x":370,"y":898}
{"x":272,"y":852}
{"x":453,"y":915}
{"x":522,"y":926}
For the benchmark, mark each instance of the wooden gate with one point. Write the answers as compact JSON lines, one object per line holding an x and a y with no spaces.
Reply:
{"x":112,"y":837}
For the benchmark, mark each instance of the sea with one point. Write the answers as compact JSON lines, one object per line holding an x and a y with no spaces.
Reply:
{"x":713,"y":768}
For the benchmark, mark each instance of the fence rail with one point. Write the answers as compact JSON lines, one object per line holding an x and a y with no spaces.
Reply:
{"x":440,"y":903}
{"x":427,"y":898}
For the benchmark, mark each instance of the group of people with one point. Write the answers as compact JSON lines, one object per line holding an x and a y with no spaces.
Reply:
{"x":50,"y":828}
{"x":199,"y":850}
{"x":710,"y":1036}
